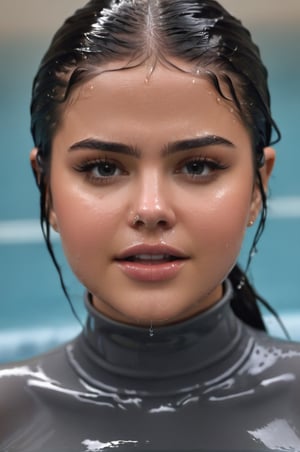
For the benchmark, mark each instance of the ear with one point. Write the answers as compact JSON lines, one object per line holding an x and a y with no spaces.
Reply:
{"x":265,"y":173}
{"x":266,"y":170}
{"x":39,"y":174}
{"x":36,"y":167}
{"x":53,"y":220}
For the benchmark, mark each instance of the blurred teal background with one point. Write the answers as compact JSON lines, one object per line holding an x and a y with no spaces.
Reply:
{"x":34,"y":315}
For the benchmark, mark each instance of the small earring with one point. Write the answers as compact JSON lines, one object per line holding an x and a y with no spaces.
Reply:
{"x":250,"y":223}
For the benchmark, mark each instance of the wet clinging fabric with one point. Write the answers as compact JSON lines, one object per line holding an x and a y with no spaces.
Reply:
{"x":210,"y":383}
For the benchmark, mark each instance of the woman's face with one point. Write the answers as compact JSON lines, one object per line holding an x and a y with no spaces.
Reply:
{"x":152,"y":188}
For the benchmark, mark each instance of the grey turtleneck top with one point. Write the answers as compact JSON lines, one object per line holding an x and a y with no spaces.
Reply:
{"x":207,"y":384}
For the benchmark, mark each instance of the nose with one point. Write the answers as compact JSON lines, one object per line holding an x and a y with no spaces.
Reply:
{"x":152,"y":205}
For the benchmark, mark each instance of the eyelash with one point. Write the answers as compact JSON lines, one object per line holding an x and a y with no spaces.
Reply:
{"x":89,"y":166}
{"x":213,"y":166}
{"x":205,"y":163}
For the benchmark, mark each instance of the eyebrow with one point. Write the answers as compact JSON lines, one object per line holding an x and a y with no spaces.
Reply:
{"x":199,"y":142}
{"x":99,"y":145}
{"x":170,"y":148}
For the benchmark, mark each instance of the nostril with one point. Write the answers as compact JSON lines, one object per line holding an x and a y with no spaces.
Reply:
{"x":152,"y":223}
{"x":162,"y":223}
{"x":152,"y":219}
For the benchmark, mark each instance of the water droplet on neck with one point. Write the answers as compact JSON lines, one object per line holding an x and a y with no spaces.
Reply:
{"x":151,"y":330}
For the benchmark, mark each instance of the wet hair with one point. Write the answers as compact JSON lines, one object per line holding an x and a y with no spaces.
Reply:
{"x":131,"y":32}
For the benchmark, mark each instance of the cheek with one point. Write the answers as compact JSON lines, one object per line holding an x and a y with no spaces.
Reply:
{"x":223,"y":218}
{"x":85,"y":223}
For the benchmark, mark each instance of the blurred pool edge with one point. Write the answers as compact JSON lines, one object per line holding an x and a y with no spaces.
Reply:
{"x":19,"y":344}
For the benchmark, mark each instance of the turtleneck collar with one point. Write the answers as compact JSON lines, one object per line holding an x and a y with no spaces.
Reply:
{"x":130,"y":352}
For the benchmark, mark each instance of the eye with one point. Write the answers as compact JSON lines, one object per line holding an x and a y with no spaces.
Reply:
{"x":200,"y":167}
{"x":100,"y":170}
{"x":197,"y":167}
{"x":105,"y":169}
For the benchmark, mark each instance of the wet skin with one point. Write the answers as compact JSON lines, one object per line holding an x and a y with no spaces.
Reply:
{"x":152,"y":186}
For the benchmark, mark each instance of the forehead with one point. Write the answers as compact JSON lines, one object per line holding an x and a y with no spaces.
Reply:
{"x":164,"y":99}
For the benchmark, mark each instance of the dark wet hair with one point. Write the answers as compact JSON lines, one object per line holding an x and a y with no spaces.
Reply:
{"x":199,"y":32}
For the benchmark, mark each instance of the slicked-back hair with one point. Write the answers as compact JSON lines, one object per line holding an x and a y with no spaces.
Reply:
{"x":200,"y":34}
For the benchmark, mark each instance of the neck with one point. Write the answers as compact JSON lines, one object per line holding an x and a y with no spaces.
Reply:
{"x":116,"y":350}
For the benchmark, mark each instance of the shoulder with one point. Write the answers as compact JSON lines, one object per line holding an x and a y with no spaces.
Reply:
{"x":19,"y":373}
{"x":19,"y":382}
{"x":52,"y":366}
{"x":274,"y":356}
{"x":265,"y":340}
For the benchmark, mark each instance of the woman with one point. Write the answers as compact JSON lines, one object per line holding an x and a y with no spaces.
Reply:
{"x":152,"y":129}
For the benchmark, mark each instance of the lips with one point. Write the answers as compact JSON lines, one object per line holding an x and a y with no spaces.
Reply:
{"x":151,"y":262}
{"x":151,"y":253}
{"x":151,"y":258}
